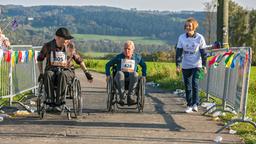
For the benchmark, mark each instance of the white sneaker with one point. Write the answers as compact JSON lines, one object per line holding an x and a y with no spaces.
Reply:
{"x":195,"y":108}
{"x":189,"y":110}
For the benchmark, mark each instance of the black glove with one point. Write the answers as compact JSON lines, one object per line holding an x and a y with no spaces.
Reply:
{"x":41,"y":77}
{"x":88,"y":75}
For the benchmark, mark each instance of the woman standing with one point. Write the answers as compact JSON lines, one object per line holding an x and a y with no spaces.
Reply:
{"x":190,"y":53}
{"x":4,"y":41}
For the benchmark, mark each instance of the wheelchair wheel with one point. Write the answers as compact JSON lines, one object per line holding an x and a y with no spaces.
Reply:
{"x":40,"y":100}
{"x":74,"y":98}
{"x":141,"y":95}
{"x":77,"y":99}
{"x":110,"y":94}
{"x":69,"y":115}
{"x":41,"y":113}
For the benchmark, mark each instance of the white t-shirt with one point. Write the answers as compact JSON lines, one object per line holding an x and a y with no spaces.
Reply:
{"x":191,"y":46}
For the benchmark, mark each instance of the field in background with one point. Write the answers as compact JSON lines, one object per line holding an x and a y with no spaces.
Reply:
{"x":97,"y":54}
{"x":121,"y":39}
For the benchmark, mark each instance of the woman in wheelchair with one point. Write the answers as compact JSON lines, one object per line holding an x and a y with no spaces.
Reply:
{"x":126,"y":72}
{"x":59,"y":69}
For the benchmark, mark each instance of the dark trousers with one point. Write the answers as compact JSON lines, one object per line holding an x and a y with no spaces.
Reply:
{"x":57,"y":79}
{"x":191,"y":83}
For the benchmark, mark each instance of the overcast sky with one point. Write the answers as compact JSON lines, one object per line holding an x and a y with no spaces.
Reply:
{"x":170,"y":5}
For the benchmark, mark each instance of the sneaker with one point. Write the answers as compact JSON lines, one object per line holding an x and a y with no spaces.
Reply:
{"x":121,"y":102}
{"x":130,"y":100}
{"x":58,"y":109}
{"x":195,"y":108}
{"x":189,"y":110}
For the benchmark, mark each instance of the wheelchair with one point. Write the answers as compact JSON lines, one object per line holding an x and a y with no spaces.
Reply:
{"x":113,"y":96}
{"x":72,"y":92}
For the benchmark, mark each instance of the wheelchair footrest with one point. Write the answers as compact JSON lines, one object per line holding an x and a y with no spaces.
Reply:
{"x":51,"y":104}
{"x":69,"y":97}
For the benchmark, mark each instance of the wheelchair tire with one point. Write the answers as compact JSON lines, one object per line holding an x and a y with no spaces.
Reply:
{"x":75,"y":98}
{"x":38,"y":105}
{"x":69,"y":115}
{"x":39,"y":101}
{"x":80,"y":99}
{"x":110,"y":94}
{"x":41,"y":113}
{"x":141,"y":95}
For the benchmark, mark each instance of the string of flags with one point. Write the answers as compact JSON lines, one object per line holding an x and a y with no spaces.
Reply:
{"x":230,"y":59}
{"x":19,"y":56}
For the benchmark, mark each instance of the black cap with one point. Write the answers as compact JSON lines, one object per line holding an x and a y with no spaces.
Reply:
{"x":63,"y":32}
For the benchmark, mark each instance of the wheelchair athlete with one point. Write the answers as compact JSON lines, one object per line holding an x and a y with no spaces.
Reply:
{"x":59,"y":69}
{"x":127,"y":65}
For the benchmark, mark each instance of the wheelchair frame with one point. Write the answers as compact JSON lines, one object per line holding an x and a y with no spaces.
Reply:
{"x":72,"y":91}
{"x":112,"y":101}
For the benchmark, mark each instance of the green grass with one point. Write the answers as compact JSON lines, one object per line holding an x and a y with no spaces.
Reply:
{"x":96,"y":65}
{"x":165,"y":75}
{"x":245,"y":130}
{"x":96,"y":54}
{"x":121,"y":39}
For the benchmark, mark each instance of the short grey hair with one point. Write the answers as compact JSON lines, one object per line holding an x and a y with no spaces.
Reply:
{"x":129,"y":43}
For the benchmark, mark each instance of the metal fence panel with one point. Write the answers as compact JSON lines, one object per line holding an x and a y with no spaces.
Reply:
{"x":18,"y":77}
{"x":229,"y":84}
{"x":4,"y":78}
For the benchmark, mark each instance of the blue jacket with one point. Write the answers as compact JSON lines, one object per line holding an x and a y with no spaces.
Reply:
{"x":117,"y":60}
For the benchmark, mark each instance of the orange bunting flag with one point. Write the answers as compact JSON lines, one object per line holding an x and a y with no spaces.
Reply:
{"x":23,"y":57}
{"x":19,"y":56}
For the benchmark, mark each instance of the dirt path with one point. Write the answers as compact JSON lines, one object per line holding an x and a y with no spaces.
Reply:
{"x":163,"y":121}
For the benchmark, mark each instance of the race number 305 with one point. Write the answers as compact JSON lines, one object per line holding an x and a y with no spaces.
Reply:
{"x":59,"y":59}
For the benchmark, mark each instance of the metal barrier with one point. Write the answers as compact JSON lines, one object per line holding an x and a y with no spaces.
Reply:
{"x":229,"y":84}
{"x":18,"y":77}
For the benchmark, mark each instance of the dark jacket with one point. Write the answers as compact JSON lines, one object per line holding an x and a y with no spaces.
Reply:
{"x":52,"y":46}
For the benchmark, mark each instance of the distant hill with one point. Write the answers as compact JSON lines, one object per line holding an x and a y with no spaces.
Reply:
{"x":37,"y":24}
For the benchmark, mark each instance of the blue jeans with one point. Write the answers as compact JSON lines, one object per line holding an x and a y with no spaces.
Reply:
{"x":191,"y":83}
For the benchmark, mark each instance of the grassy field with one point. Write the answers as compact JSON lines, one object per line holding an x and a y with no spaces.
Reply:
{"x":165,"y":75}
{"x":121,"y":39}
{"x":96,"y":54}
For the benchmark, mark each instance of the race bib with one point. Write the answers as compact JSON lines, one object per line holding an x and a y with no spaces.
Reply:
{"x":127,"y":65}
{"x":59,"y":60}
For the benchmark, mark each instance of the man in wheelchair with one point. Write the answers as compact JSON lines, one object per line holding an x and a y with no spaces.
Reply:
{"x":126,"y":72}
{"x":59,"y":69}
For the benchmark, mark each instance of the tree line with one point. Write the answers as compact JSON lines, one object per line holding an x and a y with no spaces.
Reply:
{"x":242,"y":28}
{"x":44,"y":20}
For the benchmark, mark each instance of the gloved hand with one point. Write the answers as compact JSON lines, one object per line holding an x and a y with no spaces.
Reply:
{"x":88,"y":75}
{"x":41,"y":77}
